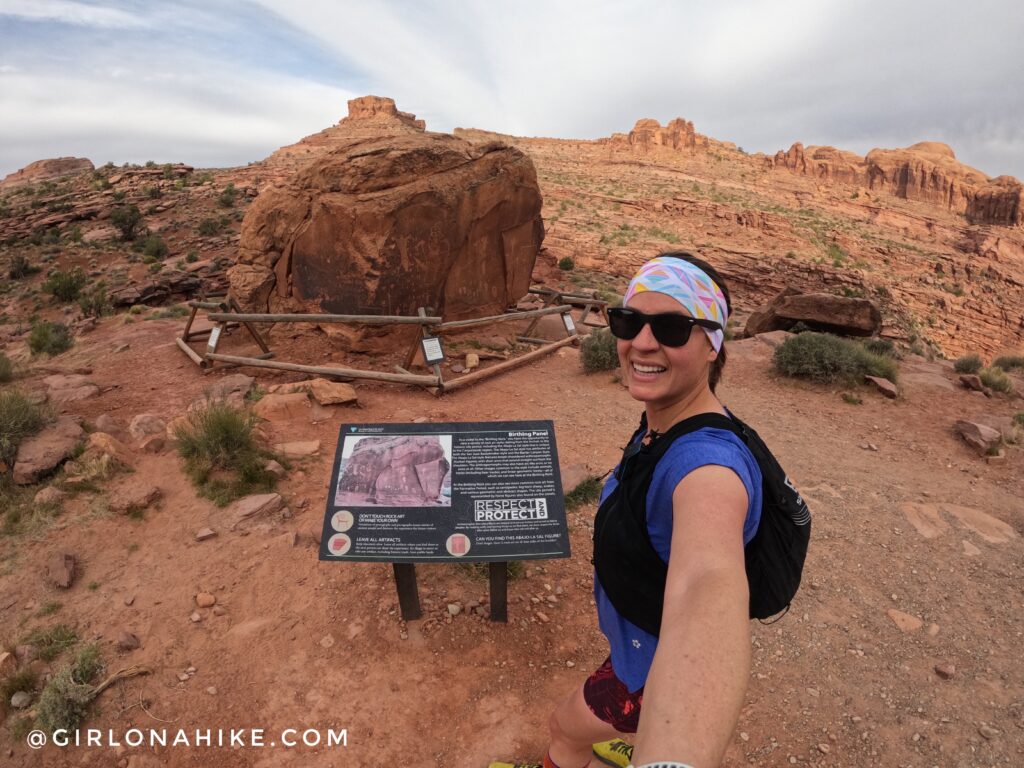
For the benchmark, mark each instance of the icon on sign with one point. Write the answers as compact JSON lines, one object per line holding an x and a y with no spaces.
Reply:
{"x":342,"y":520}
{"x":458,"y":544}
{"x":339,"y":544}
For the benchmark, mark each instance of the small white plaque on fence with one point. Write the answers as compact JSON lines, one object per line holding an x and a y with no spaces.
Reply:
{"x":432,"y":351}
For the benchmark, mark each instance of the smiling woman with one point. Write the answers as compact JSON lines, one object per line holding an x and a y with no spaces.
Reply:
{"x":685,"y":638}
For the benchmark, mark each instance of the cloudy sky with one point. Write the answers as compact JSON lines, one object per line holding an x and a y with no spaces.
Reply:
{"x":225,"y":82}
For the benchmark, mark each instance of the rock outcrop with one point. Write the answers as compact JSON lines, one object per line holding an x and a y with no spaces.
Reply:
{"x":391,"y":218}
{"x":379,"y":109}
{"x":677,"y":134}
{"x":396,"y":470}
{"x":819,"y":311}
{"x":47,"y":170}
{"x":927,"y":172}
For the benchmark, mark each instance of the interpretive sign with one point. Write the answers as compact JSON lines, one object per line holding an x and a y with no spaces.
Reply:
{"x":407,"y":493}
{"x":432,"y":351}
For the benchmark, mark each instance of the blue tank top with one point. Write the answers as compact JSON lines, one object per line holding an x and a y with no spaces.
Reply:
{"x":632,"y":649}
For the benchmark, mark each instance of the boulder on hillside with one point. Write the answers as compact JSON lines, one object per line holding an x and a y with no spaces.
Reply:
{"x":43,"y":453}
{"x":818,"y":311}
{"x":982,"y":437}
{"x":390,"y":220}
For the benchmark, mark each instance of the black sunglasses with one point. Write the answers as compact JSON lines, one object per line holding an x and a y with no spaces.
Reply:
{"x":669,"y":328}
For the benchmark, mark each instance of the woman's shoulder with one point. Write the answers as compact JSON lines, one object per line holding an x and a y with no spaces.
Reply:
{"x":708,"y":445}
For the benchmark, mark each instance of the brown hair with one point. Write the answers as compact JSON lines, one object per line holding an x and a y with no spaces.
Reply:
{"x":715,"y":372}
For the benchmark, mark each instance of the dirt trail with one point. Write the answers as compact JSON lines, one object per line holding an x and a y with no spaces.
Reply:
{"x":304,"y":644}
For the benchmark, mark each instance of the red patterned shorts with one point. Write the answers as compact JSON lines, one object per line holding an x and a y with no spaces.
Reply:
{"x":610,"y":699}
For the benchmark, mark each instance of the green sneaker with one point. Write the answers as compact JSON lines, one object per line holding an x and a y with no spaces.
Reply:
{"x":615,"y":753}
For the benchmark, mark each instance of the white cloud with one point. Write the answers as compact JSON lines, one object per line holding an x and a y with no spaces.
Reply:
{"x":70,"y":12}
{"x":761,"y":74}
{"x":207,"y":121}
{"x":852,"y":73}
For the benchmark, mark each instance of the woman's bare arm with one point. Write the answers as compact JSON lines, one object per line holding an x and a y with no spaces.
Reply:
{"x":699,"y":675}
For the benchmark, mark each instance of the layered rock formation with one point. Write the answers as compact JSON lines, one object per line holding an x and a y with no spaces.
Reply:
{"x":379,"y":109}
{"x":400,"y":471}
{"x":927,"y":172}
{"x":678,"y":134}
{"x":388,"y":218}
{"x":47,"y":170}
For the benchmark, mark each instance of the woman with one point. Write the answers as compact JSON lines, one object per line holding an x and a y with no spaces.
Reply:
{"x":679,"y":689}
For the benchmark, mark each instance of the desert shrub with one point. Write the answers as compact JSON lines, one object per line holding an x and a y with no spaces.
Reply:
{"x":566,"y":263}
{"x":51,"y":641}
{"x":95,"y":303}
{"x":128,"y":220}
{"x":825,"y":358}
{"x":154,"y":247}
{"x":967,"y":364}
{"x":883,"y":347}
{"x":208,"y":227}
{"x":152,"y":192}
{"x":20,"y":267}
{"x":49,"y":338}
{"x":6,"y":369}
{"x":585,"y":492}
{"x":66,"y":286}
{"x":66,"y":698}
{"x":222,"y":457}
{"x":191,"y":257}
{"x":228,"y":196}
{"x":22,"y":680}
{"x":1008,"y":362}
{"x":19,"y":418}
{"x":598,"y":351}
{"x":1018,"y":418}
{"x":996,"y":379}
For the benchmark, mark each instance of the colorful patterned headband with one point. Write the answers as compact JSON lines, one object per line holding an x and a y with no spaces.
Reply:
{"x":689,"y":285}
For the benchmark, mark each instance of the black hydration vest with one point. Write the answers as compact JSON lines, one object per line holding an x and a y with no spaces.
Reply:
{"x":632,"y":573}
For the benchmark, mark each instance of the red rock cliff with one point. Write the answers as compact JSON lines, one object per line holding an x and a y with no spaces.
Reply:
{"x":927,"y":172}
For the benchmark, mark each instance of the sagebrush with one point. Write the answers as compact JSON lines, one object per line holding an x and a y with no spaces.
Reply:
{"x":19,"y":418}
{"x":48,"y":338}
{"x":598,"y":351}
{"x":828,"y":359}
{"x":222,"y":456}
{"x":968,"y":364}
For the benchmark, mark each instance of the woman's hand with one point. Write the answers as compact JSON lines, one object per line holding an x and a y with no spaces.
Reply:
{"x":695,"y":689}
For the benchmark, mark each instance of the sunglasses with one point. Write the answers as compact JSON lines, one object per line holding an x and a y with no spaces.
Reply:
{"x":669,"y":328}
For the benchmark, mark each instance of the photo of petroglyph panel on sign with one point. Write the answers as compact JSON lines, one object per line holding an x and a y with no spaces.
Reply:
{"x":395,"y":471}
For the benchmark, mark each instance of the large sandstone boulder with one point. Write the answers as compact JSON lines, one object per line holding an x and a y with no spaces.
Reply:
{"x":820,"y":311}
{"x":388,"y":218}
{"x":395,"y":470}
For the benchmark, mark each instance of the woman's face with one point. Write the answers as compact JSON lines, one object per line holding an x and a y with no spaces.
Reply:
{"x":660,"y":375}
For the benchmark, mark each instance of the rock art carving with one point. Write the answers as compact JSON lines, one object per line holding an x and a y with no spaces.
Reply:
{"x":394,"y":471}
